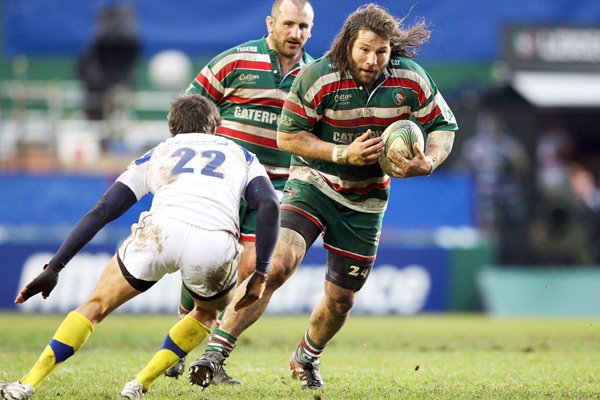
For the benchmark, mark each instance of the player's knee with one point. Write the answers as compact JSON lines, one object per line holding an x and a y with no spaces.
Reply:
{"x":95,"y":310}
{"x":245,"y":269}
{"x":279,"y":272}
{"x":339,"y":303}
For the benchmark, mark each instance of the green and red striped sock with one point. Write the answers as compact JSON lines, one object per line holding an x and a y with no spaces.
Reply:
{"x":308,"y":350}
{"x":221,"y":342}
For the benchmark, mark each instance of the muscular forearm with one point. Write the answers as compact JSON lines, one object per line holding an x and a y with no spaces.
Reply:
{"x":364,"y":150}
{"x":439,"y":146}
{"x":305,"y":144}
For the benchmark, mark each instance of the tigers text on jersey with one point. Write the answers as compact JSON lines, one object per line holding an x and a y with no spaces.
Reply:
{"x":196,"y":178}
{"x":338,"y":110}
{"x":246,"y":84}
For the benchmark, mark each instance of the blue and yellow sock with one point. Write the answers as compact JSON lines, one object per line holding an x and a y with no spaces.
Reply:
{"x":70,"y":336}
{"x":181,"y":339}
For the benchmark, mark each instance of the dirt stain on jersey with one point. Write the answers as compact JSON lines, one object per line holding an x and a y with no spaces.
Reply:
{"x":166,"y":174}
{"x":165,"y":171}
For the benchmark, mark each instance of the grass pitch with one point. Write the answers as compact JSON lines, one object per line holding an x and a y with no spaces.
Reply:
{"x":421,"y":357}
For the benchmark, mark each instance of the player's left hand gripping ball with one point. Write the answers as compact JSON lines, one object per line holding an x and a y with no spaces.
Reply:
{"x":43,"y":283}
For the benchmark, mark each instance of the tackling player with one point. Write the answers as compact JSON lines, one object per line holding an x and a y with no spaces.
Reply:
{"x":249,"y":84}
{"x":192,"y":226}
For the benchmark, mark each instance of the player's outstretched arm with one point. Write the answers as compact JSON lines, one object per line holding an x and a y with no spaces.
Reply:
{"x":117,"y":199}
{"x":43,"y":283}
{"x":261,"y":196}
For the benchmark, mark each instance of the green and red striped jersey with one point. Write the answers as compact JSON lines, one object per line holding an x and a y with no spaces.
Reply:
{"x":337,"y":109}
{"x":246,"y":84}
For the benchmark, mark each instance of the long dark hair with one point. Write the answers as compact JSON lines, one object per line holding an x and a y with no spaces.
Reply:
{"x":403,"y":41}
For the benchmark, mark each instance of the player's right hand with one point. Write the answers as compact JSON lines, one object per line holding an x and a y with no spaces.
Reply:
{"x":43,"y":283}
{"x":253,"y":290}
{"x":365,"y":150}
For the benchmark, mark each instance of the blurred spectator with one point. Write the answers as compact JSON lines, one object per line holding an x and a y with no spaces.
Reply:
{"x":106,"y":66}
{"x":561,"y":232}
{"x":554,"y":152}
{"x":498,"y":163}
{"x":587,"y":193}
{"x":558,"y":236}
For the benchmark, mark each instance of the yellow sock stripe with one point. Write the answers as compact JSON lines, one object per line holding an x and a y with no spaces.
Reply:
{"x":74,"y":330}
{"x":72,"y":333}
{"x":186,"y":335}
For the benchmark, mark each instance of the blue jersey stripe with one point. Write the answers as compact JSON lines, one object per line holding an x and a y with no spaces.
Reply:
{"x":145,"y":157}
{"x":249,"y":156}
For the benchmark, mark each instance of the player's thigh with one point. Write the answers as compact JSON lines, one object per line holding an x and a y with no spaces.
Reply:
{"x":152,"y":249}
{"x":210,"y":282}
{"x":111,"y":291}
{"x":352,"y":239}
{"x":208,"y":263}
{"x":247,"y":240}
{"x":247,"y":222}
{"x":303,"y":210}
{"x":247,"y":262}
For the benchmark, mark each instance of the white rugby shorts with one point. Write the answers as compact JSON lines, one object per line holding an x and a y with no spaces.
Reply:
{"x":208,"y":260}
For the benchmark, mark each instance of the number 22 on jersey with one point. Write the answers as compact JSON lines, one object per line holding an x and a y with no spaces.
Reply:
{"x":214,"y":160}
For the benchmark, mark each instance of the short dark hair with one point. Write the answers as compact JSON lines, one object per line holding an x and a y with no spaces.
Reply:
{"x":193,"y":113}
{"x":376,"y":19}
{"x":277,"y":3}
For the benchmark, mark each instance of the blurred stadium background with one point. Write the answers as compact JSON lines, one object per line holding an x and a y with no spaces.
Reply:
{"x":530,"y":64}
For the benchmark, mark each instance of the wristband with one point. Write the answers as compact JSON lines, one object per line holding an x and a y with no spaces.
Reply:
{"x":339,"y":155}
{"x":262,"y":268}
{"x":432,"y":161}
{"x":260,"y":273}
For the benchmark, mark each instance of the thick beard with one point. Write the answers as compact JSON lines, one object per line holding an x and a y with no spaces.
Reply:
{"x":356,"y":74}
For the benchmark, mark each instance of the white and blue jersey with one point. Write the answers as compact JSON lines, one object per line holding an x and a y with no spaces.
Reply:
{"x":196,"y":178}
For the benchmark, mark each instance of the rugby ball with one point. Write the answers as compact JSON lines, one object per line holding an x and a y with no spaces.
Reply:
{"x":401,"y":135}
